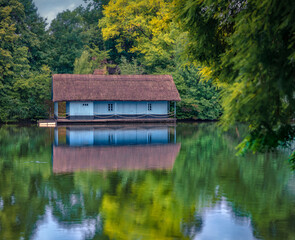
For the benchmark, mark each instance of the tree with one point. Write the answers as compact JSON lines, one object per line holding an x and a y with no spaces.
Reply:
{"x":32,"y":94}
{"x":143,"y":28}
{"x":250,"y":49}
{"x":33,"y":33}
{"x":23,"y":91}
{"x":8,"y":37}
{"x":67,"y":39}
{"x":90,"y":60}
{"x":91,"y":15}
{"x":13,"y":58}
{"x":71,"y":31}
{"x":129,"y":68}
{"x":199,"y":99}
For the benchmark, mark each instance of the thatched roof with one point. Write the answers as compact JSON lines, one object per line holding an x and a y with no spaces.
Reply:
{"x":140,"y":157}
{"x":75,"y":87}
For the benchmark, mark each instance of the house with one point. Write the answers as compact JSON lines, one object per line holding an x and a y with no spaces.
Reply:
{"x":90,"y":97}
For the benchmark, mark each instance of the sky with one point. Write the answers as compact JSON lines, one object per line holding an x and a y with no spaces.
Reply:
{"x":50,"y":8}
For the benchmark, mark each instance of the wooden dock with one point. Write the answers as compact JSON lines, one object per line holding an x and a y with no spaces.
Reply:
{"x":47,"y":123}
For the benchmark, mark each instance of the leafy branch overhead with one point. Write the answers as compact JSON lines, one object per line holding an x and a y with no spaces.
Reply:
{"x":250,"y":49}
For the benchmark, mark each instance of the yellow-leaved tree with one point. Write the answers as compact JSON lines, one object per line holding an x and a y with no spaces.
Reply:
{"x":144,"y":28}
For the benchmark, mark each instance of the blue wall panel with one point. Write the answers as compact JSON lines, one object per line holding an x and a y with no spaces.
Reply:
{"x":81,"y":108}
{"x":119,"y":108}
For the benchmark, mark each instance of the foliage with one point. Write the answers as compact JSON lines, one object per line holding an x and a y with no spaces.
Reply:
{"x":90,"y":60}
{"x":32,"y":94}
{"x":141,"y":27}
{"x":82,"y":64}
{"x":199,"y":99}
{"x":23,"y":91}
{"x":67,"y":39}
{"x":250,"y":48}
{"x":292,"y":160}
{"x":8,"y":38}
{"x":129,"y":68}
{"x":207,"y":170}
{"x":70,"y":32}
{"x":33,"y":35}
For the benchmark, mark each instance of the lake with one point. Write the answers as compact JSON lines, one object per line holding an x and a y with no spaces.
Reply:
{"x":141,"y":182}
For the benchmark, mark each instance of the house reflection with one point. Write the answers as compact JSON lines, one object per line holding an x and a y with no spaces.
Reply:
{"x":114,"y":148}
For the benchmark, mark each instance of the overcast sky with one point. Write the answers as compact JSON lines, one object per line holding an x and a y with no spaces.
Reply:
{"x":50,"y":8}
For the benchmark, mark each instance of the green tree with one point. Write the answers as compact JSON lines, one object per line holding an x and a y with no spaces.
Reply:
{"x":250,"y":49}
{"x":71,"y":31}
{"x":67,"y":40}
{"x":199,"y":99}
{"x":129,"y":68}
{"x":13,"y":58}
{"x":34,"y":36}
{"x":32,"y":94}
{"x":8,"y":38}
{"x":19,"y":53}
{"x":90,"y":60}
{"x":91,"y":15}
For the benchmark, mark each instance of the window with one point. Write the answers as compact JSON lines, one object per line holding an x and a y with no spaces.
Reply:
{"x":149,"y":107}
{"x":85,"y":104}
{"x":110,"y":107}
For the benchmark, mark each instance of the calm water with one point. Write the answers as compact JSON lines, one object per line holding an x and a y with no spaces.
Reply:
{"x":141,"y":182}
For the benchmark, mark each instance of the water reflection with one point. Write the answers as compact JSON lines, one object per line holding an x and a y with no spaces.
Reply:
{"x":221,"y":223}
{"x":115,"y":136}
{"x":49,"y":228}
{"x":114,"y":148}
{"x":79,"y":190}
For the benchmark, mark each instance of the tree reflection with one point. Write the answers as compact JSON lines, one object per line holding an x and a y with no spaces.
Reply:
{"x":145,"y":204}
{"x":254,"y":184}
{"x":21,"y":182}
